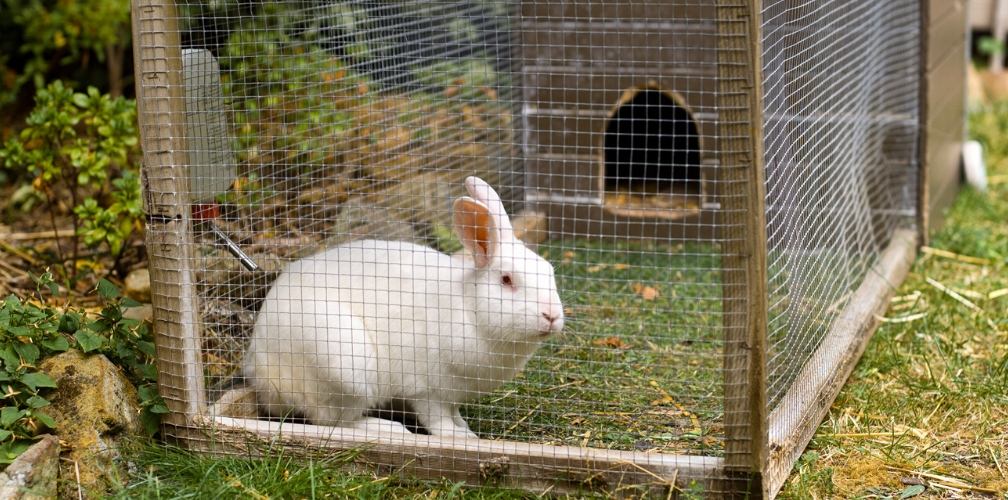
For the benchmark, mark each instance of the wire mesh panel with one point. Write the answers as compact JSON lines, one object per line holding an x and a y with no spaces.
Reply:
{"x":841,"y":120}
{"x":514,"y":240}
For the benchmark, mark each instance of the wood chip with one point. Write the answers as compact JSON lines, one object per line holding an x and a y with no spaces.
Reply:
{"x":902,"y":319}
{"x":944,"y":481}
{"x":952,"y":293}
{"x":40,"y":235}
{"x":937,"y":252}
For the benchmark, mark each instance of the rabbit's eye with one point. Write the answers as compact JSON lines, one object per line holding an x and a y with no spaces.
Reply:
{"x":506,"y":280}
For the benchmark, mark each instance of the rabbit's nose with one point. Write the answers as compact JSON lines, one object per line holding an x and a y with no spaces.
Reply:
{"x":554,"y":320}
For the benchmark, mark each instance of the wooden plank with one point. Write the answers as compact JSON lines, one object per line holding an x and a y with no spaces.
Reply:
{"x":615,"y":44}
{"x":570,"y":133}
{"x":942,"y":110}
{"x":618,"y":9}
{"x":805,"y":404}
{"x":161,"y":113}
{"x":948,"y":34}
{"x":535,"y":467}
{"x":744,"y":252}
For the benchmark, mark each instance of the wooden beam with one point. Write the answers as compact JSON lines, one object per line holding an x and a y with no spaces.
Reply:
{"x":157,"y":58}
{"x":533,"y":467}
{"x":744,"y":228}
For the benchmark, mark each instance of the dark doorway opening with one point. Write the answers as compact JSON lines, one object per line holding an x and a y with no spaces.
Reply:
{"x":652,"y":146}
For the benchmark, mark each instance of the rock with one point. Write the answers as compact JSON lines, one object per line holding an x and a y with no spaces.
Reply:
{"x":138,"y":285}
{"x":33,"y":474}
{"x":95,"y":408}
{"x":143,"y":312}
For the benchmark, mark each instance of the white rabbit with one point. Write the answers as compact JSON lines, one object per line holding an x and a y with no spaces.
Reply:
{"x":372,"y":321}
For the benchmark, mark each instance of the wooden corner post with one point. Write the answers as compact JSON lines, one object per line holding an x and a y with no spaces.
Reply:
{"x":157,"y":59}
{"x":744,"y":244}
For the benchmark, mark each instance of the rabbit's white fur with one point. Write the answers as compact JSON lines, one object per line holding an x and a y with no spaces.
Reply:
{"x":361,"y":324}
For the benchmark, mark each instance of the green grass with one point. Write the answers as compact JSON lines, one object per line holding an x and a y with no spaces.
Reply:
{"x":165,"y":472}
{"x":627,"y":373}
{"x":929,"y":399}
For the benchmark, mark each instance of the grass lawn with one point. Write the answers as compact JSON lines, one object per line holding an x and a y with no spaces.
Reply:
{"x":928,"y":403}
{"x":925,"y":412}
{"x":629,"y":371}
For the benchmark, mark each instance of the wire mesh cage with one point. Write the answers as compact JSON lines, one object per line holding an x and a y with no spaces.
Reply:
{"x":577,"y":245}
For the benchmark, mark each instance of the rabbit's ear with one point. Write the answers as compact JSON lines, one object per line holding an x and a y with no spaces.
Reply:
{"x":479,"y":189}
{"x":476,"y":226}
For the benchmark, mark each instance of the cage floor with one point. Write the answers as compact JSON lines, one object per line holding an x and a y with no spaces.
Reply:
{"x":638,"y":366}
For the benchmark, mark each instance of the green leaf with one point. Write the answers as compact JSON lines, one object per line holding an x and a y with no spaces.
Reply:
{"x":4,"y":434}
{"x":28,"y":352}
{"x":146,"y":348}
{"x":107,"y":290}
{"x":9,"y":415}
{"x":11,"y":361}
{"x":88,"y":341}
{"x":45,"y":419}
{"x":58,"y":343}
{"x":37,"y":401}
{"x":912,"y":491}
{"x":70,"y":322}
{"x":80,"y":100}
{"x":10,"y":450}
{"x":159,"y":409}
{"x":151,"y":422}
{"x":34,"y":380}
{"x":128,"y":302}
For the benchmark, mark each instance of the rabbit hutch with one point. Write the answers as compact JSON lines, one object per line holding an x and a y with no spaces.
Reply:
{"x":723,"y":196}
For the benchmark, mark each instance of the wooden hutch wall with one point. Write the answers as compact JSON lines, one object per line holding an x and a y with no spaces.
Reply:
{"x":577,"y":62}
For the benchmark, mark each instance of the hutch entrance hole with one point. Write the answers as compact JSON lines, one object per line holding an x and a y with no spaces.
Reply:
{"x":652,"y":146}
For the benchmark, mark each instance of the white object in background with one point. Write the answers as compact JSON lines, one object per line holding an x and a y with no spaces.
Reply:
{"x":973,"y":165}
{"x":211,"y":160}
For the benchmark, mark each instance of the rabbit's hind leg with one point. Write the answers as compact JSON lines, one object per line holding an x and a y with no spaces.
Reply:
{"x":442,"y":419}
{"x":373,"y":425}
{"x":346,"y":373}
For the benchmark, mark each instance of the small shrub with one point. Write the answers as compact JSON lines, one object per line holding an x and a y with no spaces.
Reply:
{"x":59,"y":38}
{"x":81,"y":147}
{"x":31,"y":331}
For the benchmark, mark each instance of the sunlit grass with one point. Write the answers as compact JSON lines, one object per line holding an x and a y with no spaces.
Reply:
{"x":929,"y":399}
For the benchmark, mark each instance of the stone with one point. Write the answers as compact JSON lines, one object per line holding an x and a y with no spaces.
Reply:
{"x":143,"y":312}
{"x":96,"y":409}
{"x":138,"y":285}
{"x":33,"y":474}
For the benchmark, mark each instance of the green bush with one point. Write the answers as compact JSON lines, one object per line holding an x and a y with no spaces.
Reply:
{"x":60,"y":38}
{"x":31,"y":331}
{"x":82,"y":147}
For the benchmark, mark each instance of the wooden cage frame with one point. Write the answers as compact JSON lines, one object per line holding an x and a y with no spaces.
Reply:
{"x":761,"y":446}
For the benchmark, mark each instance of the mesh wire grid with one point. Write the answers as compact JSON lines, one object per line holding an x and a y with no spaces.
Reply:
{"x":602,"y":125}
{"x":841,"y":99}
